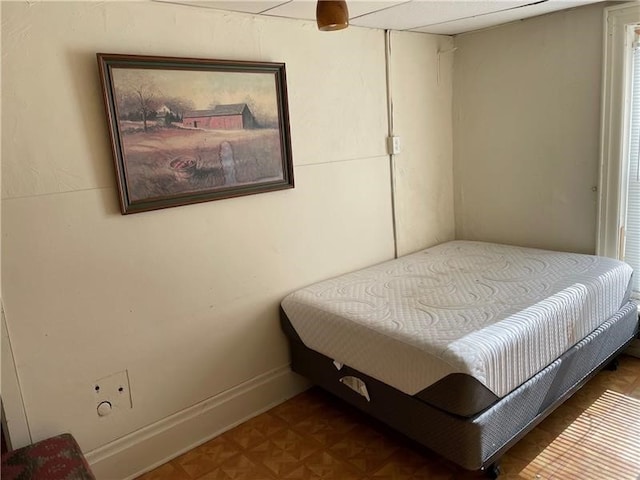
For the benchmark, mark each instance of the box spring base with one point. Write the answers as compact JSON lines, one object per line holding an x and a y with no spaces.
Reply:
{"x":475,"y":442}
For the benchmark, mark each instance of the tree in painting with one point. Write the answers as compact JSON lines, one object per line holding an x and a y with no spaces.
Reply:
{"x":146,"y":102}
{"x":178,"y":106}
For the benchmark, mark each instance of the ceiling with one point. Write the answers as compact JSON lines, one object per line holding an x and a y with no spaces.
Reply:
{"x":448,"y":17}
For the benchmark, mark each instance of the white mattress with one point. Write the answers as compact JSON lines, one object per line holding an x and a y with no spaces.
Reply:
{"x":496,"y":312}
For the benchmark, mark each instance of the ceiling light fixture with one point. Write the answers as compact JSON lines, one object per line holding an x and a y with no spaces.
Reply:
{"x":332,"y":15}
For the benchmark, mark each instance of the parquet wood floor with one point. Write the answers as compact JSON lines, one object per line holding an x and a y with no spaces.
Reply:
{"x":595,"y":435}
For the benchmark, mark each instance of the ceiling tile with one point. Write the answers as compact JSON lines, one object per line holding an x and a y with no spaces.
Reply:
{"x":477,"y":22}
{"x":416,"y":14}
{"x":357,"y":8}
{"x":301,"y":9}
{"x":246,"y":6}
{"x":306,"y":9}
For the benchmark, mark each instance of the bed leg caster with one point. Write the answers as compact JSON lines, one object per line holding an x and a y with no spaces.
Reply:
{"x":493,"y":471}
{"x":613,"y":365}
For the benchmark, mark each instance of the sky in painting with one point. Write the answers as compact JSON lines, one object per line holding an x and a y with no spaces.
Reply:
{"x":204,"y":89}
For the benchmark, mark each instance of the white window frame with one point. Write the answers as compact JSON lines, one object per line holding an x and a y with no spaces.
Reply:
{"x":619,"y":23}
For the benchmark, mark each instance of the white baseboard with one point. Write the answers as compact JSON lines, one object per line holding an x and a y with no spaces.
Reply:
{"x":147,"y":448}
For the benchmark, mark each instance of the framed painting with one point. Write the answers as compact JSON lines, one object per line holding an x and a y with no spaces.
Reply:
{"x":189,"y":130}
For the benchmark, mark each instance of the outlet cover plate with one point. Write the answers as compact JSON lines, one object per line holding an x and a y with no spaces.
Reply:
{"x":393,"y":145}
{"x":115,"y":389}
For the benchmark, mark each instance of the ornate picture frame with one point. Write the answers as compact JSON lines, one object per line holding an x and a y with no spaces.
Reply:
{"x":187,"y":130}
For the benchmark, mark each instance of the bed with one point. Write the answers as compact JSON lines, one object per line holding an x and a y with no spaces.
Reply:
{"x":466,"y":346}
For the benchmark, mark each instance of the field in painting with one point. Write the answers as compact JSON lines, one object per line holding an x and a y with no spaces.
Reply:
{"x":168,"y":161}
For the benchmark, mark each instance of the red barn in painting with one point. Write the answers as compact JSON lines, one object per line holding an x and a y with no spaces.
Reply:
{"x":236,"y":116}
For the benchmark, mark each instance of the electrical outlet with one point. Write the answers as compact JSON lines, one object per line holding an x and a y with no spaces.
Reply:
{"x":114,"y":389}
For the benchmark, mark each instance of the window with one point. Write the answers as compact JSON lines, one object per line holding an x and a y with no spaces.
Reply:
{"x":631,"y":248}
{"x":619,"y":209}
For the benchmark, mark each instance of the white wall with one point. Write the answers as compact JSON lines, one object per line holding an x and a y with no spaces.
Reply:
{"x":421,"y":87}
{"x":186,"y":299}
{"x":527,"y":130}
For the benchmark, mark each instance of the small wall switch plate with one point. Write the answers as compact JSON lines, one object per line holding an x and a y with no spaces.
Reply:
{"x":114,"y":389}
{"x":393,"y":145}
